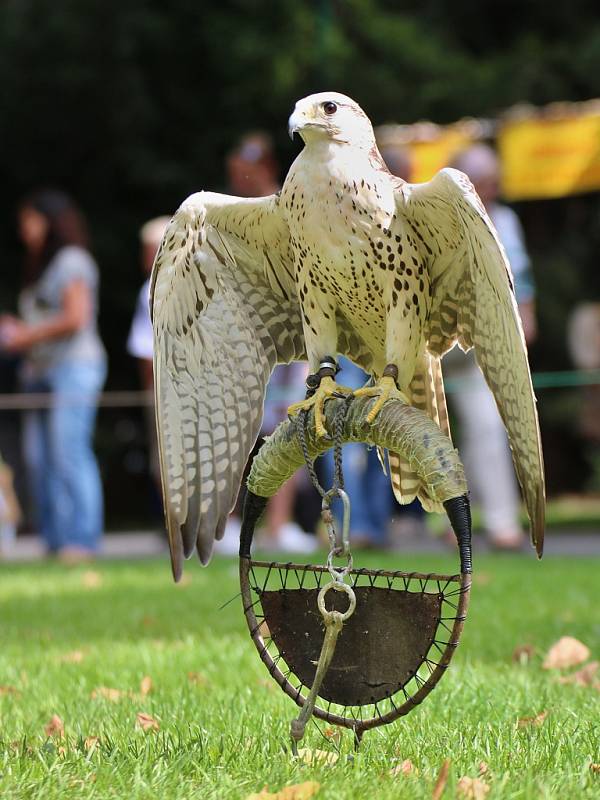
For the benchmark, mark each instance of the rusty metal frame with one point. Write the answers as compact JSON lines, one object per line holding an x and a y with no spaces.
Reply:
{"x":351,"y":717}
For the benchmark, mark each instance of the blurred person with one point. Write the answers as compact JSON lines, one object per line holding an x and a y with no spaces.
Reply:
{"x":583,"y":338}
{"x":10,"y":511}
{"x":485,"y":449}
{"x":140,"y":339}
{"x":252,"y":171}
{"x":398,"y":161}
{"x":281,"y":531}
{"x":62,"y":355}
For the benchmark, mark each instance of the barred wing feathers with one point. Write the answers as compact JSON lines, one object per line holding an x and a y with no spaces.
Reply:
{"x":473,"y":304}
{"x":224,"y":312}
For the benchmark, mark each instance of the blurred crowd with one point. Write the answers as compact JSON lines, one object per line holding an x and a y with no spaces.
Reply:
{"x":62,"y":361}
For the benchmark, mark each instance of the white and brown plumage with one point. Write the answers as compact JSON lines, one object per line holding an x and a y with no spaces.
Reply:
{"x":346,"y":259}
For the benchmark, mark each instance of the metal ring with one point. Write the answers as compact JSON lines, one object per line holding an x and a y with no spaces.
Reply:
{"x":328,"y":365}
{"x":339,"y":587}
{"x":338,"y":575}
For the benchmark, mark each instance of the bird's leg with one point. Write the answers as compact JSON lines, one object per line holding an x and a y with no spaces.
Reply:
{"x":385,"y":389}
{"x":320,"y":386}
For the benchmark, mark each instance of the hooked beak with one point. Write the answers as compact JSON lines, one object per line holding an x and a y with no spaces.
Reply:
{"x":295,"y":124}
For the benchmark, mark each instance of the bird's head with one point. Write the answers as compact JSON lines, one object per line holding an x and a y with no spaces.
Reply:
{"x":330,"y":116}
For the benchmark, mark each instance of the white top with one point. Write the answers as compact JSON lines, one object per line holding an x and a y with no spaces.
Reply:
{"x":140,"y":339}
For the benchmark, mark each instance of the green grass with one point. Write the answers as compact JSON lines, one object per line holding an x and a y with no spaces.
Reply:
{"x":225,"y":736}
{"x":570,"y":513}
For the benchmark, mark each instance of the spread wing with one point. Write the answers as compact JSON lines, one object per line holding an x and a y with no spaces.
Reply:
{"x":473,"y":303}
{"x":224,"y":312}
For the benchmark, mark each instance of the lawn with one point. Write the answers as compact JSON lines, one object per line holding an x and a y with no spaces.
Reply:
{"x":174,"y":654}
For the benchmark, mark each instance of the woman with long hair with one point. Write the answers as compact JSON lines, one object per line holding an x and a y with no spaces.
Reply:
{"x":62,"y":355}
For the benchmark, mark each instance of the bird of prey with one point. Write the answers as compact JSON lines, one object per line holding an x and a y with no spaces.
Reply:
{"x":346,"y":259}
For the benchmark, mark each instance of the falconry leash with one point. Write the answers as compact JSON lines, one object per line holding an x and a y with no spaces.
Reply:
{"x":333,"y":620}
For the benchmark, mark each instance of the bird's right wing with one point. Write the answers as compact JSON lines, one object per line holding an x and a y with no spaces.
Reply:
{"x":473,"y":304}
{"x":224,"y":311}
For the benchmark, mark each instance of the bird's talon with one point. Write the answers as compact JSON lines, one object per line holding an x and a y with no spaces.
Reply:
{"x":327,"y":388}
{"x":384,"y":390}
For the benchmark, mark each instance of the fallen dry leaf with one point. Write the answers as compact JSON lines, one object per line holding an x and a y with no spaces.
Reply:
{"x":91,"y":579}
{"x":595,"y":768}
{"x":298,"y":791}
{"x":442,"y":780}
{"x":146,"y":722}
{"x":333,"y":734}
{"x":198,"y":678}
{"x":107,"y":693}
{"x":483,"y":768}
{"x":56,"y":727}
{"x":74,"y":657}
{"x":90,"y":742}
{"x":525,"y":722}
{"x":146,"y":685}
{"x":405,"y":768}
{"x":472,"y":788}
{"x":9,"y":690}
{"x":523,"y":654}
{"x":584,"y":676}
{"x":567,"y":652}
{"x":317,"y":756}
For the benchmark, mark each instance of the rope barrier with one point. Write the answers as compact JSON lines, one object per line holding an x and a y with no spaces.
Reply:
{"x":24,"y":401}
{"x":541,"y":380}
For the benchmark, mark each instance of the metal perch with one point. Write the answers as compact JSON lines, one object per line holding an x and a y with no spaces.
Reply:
{"x":399,"y":636}
{"x":400,"y":428}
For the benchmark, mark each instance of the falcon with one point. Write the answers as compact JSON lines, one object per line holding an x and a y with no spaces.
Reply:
{"x":346,"y":259}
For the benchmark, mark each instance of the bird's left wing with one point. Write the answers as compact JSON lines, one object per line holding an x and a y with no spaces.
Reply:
{"x":473,"y":303}
{"x":224,"y":312}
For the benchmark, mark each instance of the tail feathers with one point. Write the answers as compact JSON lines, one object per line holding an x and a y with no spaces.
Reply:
{"x":405,"y":481}
{"x":426,"y":392}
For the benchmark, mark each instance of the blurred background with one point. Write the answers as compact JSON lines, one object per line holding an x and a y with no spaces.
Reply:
{"x":130,"y":109}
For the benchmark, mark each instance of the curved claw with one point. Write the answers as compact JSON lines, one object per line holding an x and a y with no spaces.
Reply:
{"x":384,"y":390}
{"x":327,"y":388}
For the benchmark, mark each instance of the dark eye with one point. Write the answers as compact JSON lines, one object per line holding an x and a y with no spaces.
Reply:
{"x":329,"y":108}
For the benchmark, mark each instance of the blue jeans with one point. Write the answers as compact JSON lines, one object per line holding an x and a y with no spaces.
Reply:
{"x":58,"y":447}
{"x":369,"y":490}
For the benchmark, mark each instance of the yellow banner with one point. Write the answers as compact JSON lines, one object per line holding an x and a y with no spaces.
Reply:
{"x":544,"y":158}
{"x":430,"y":156}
